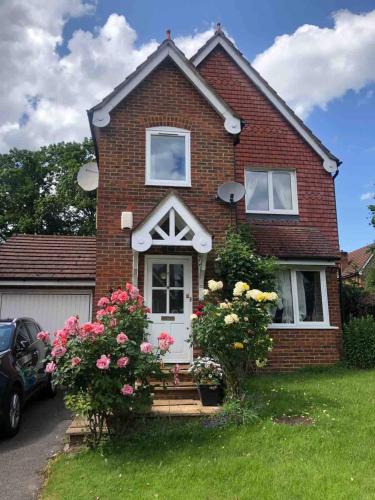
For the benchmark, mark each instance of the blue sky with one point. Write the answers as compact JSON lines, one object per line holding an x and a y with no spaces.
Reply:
{"x":343,"y":117}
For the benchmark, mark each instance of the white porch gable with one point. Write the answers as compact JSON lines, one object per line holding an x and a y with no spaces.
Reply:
{"x":171,"y":224}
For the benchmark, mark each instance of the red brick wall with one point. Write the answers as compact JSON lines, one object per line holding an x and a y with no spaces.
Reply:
{"x":268,"y":140}
{"x":166,"y":98}
{"x":298,"y":348}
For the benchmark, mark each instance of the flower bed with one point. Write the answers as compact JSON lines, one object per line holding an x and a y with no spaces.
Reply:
{"x":105,"y":366}
{"x":235,"y":332}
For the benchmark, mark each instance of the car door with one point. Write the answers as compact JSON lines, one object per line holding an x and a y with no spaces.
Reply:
{"x":25,"y":360}
{"x":38,"y":350}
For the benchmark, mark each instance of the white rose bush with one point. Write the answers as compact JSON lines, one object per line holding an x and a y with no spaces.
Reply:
{"x":234,"y":332}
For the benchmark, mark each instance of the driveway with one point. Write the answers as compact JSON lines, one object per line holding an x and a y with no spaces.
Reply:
{"x":23,"y":457}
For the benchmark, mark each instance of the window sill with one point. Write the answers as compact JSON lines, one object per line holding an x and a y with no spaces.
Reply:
{"x":273,"y":212}
{"x":168,"y":184}
{"x":304,"y":326}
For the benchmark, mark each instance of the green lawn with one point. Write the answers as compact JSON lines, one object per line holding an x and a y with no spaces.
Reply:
{"x":332,"y":459}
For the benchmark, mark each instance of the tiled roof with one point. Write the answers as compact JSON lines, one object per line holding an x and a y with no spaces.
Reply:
{"x":357,"y":260}
{"x":293,"y":242}
{"x":28,"y":256}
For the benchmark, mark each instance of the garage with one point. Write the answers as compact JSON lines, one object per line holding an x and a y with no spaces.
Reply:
{"x":49,"y":308}
{"x":48,"y":278}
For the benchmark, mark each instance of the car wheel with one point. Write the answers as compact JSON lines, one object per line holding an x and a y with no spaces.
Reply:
{"x":12,"y":414}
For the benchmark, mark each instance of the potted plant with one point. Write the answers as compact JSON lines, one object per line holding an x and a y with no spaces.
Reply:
{"x":208,"y":375}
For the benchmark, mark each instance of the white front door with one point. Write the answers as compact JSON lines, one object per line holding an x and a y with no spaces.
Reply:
{"x":168,"y":291}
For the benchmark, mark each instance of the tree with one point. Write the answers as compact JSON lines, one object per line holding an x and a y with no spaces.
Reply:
{"x":39,"y":191}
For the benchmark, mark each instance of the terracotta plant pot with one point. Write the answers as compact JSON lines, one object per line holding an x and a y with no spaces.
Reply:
{"x":210,"y":395}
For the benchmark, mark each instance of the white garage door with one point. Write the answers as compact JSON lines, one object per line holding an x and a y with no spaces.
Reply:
{"x":49,"y":308}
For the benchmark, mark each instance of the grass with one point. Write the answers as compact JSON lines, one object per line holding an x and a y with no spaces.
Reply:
{"x":331,"y":459}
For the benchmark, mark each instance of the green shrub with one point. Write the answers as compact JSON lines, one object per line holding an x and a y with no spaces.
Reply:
{"x":359,"y":342}
{"x":236,"y":260}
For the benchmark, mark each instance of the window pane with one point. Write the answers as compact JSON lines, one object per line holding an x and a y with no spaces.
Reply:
{"x":282,"y":191}
{"x":176,"y":301}
{"x":283,"y":312}
{"x":159,"y":301}
{"x":257,"y":190}
{"x":168,"y":157}
{"x":159,"y":274}
{"x":176,"y":275}
{"x":5,"y":337}
{"x":33,"y":329}
{"x":309,"y":296}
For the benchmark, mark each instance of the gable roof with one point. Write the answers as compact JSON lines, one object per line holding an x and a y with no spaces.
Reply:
{"x":41,"y":257}
{"x":358,"y":260}
{"x":330,"y":161}
{"x":293,"y":242}
{"x":99,"y":115}
{"x":192,"y":232}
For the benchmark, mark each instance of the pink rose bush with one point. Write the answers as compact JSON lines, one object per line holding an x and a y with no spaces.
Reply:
{"x":165,"y":341}
{"x":43,"y":336}
{"x":105,"y":366}
{"x":103,"y":362}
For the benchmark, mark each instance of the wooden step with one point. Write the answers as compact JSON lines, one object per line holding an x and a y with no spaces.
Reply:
{"x":171,"y":402}
{"x":186,"y":410}
{"x":176,"y":392}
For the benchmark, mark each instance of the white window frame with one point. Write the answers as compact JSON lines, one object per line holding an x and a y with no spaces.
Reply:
{"x":168,"y":131}
{"x":272,"y":210}
{"x":306,"y":325}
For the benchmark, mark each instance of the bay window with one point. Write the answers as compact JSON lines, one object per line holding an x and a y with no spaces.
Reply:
{"x":271,"y":191}
{"x":303,"y":301}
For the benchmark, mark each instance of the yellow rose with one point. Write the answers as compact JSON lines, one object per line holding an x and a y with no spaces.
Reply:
{"x":239,"y":288}
{"x":238,"y":345}
{"x":261,"y":363}
{"x":215,"y":285}
{"x":254,"y":294}
{"x":224,"y":305}
{"x":229,"y":319}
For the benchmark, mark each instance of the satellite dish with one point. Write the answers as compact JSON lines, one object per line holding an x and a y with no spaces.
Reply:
{"x":88,"y":176}
{"x":231,"y":192}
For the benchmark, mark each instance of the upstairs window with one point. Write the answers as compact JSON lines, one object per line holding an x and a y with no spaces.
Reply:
{"x":271,"y":192}
{"x":168,"y":157}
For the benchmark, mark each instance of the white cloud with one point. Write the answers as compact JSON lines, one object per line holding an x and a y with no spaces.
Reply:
{"x":314,"y":65}
{"x":367,"y":196}
{"x":43,"y":96}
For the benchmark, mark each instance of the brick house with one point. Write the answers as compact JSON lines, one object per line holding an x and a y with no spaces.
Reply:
{"x":166,"y":138}
{"x":356,"y":265}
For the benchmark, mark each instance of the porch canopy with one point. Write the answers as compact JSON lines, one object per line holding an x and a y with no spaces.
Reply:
{"x":172,"y":223}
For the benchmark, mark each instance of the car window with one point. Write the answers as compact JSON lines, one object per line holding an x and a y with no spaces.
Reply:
{"x":33,"y":329}
{"x":22,"y":335}
{"x":5,"y":337}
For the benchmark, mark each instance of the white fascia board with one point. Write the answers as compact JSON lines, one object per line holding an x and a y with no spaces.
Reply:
{"x":101,"y":116}
{"x":329,"y":164}
{"x":301,"y":262}
{"x":367,"y":261}
{"x":142,"y":240}
{"x":49,"y":283}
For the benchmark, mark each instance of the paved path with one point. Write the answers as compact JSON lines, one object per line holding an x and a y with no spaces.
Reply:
{"x":23,"y":458}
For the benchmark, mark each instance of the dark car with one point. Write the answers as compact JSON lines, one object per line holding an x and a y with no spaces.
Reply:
{"x":22,"y":370}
